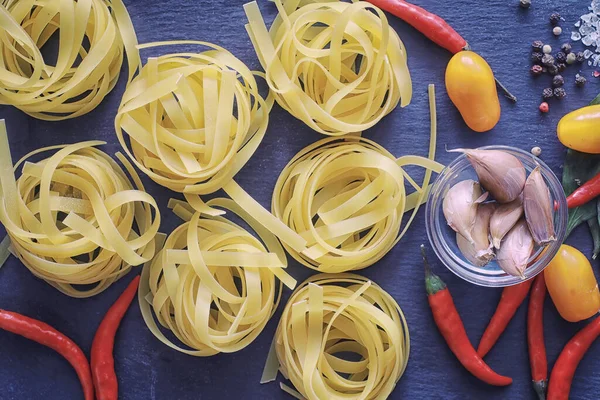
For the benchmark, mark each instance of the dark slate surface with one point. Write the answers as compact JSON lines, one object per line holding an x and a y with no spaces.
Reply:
{"x":501,"y":32}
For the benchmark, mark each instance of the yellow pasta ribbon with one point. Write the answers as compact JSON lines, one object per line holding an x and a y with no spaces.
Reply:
{"x":346,"y":197}
{"x":93,"y":38}
{"x":332,"y":315}
{"x":192,"y":120}
{"x":213,"y":285}
{"x":76,"y":218}
{"x":338,"y":67}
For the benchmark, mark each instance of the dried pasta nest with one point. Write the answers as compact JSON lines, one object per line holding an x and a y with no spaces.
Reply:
{"x":75,"y":218}
{"x":191,"y":121}
{"x":213,"y":285}
{"x":329,"y":317}
{"x":337,"y":66}
{"x":93,"y":36}
{"x":346,"y":198}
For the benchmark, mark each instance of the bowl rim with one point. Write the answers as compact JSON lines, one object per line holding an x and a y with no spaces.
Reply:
{"x":461,"y":268}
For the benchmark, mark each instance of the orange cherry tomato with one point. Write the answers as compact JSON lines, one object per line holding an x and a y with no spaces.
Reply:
{"x":572,"y":284}
{"x":471,"y":87}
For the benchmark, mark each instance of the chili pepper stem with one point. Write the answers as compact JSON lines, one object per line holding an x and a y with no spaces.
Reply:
{"x":540,"y":388}
{"x":433,"y":283}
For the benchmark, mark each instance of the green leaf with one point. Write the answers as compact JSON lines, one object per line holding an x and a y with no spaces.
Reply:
{"x":594,"y":225}
{"x":578,"y":169}
{"x":595,"y":101}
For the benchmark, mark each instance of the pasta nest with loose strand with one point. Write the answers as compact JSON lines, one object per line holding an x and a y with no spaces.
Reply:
{"x":213,"y":285}
{"x":329,"y":317}
{"x":346,"y":197}
{"x":338,"y":67}
{"x":75,"y":218}
{"x":93,"y":36}
{"x":193,"y":120}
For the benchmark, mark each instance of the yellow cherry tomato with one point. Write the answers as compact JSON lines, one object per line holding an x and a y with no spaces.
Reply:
{"x":471,"y":87}
{"x":572,"y":284}
{"x":580,"y":130}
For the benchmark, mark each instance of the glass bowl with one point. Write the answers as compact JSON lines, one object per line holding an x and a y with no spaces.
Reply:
{"x":443,"y":238}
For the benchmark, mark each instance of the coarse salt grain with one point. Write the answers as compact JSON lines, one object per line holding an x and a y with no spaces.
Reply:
{"x":589,"y":29}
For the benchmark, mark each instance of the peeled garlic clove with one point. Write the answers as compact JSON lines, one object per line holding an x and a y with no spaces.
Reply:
{"x":504,"y":218}
{"x":515,"y":251}
{"x":499,"y":172}
{"x":481,"y":251}
{"x":538,"y":208}
{"x":460,"y":207}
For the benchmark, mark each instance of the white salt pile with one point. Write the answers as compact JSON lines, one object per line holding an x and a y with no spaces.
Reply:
{"x":589,"y":33}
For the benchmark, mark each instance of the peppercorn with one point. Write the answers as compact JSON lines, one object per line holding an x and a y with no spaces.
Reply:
{"x":558,"y":81}
{"x":536,"y":57}
{"x":548,"y":93}
{"x":538,"y":45}
{"x":580,"y":57}
{"x":536,"y":151}
{"x":571,"y":58}
{"x":560,"y":93}
{"x":557,"y":31}
{"x":553,"y":69}
{"x":544,"y":107}
{"x":547,"y":60}
{"x":555,"y":18}
{"x":580,"y":80}
{"x":561,"y":67}
{"x":536,"y":70}
{"x":547,"y":49}
{"x":525,"y":3}
{"x":561,"y":57}
{"x":566,"y":48}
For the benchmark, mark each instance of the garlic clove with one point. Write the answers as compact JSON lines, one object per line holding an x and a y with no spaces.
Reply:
{"x":481,"y":251}
{"x":515,"y":251}
{"x":460,"y":207}
{"x":504,"y":218}
{"x":538,"y":208}
{"x":499,"y":172}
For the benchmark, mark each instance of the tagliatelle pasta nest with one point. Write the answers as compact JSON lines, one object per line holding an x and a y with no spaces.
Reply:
{"x":213,"y":285}
{"x":75,"y":218}
{"x":346,"y":197}
{"x":329,"y":317}
{"x":337,"y":66}
{"x":193,"y":120}
{"x":93,"y":36}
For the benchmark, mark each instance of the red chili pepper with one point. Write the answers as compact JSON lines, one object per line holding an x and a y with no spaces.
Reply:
{"x":452,"y":329}
{"x":584,"y":193}
{"x":103,"y":363}
{"x":535,"y":337}
{"x":512,"y":297}
{"x":43,"y":333}
{"x":433,"y":27}
{"x":568,"y":360}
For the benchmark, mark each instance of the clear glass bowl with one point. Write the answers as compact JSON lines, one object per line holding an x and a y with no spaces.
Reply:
{"x":443,"y":238}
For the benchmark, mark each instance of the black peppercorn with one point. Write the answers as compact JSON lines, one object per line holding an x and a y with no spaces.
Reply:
{"x":555,"y":18}
{"x":525,"y":3}
{"x":560,"y":93}
{"x":558,"y":81}
{"x":537,"y":45}
{"x":536,"y":70}
{"x":566,"y":48}
{"x":580,"y":57}
{"x":580,"y":80}
{"x":561,"y":57}
{"x":547,"y":60}
{"x":548,"y":93}
{"x":536,"y":57}
{"x":553,"y":69}
{"x":561,"y":67}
